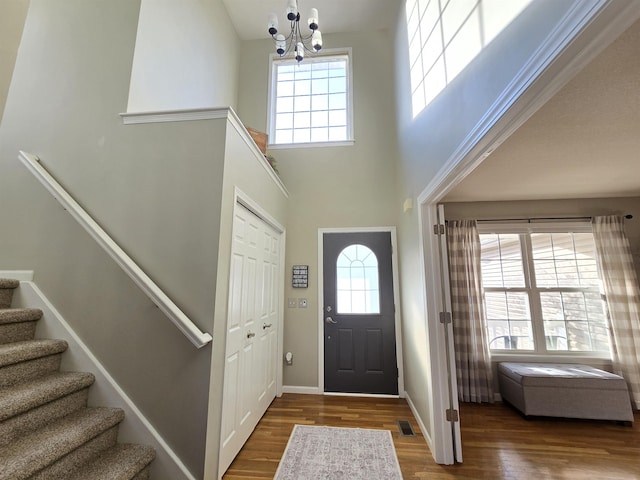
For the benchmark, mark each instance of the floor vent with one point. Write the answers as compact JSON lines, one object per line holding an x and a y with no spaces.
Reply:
{"x":405,"y":428}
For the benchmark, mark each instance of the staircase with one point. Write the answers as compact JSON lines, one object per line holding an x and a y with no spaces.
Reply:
{"x":47,"y":431}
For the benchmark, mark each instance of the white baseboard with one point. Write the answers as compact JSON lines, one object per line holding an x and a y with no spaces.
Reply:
{"x":303,"y":390}
{"x":106,"y":391}
{"x":423,"y":428}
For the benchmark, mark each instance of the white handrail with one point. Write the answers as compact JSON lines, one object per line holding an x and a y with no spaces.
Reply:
{"x":157,"y":296}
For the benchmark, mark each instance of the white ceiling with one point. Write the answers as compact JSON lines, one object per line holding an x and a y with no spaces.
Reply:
{"x":583,"y":143}
{"x":249,"y":17}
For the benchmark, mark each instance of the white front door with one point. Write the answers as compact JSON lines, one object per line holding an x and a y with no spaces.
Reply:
{"x":252,"y":331}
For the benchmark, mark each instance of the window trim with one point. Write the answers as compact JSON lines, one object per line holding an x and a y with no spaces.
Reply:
{"x":331,"y":52}
{"x":527,"y":228}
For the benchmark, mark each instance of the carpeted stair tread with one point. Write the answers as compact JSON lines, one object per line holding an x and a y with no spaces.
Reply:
{"x":35,"y":451}
{"x":120,"y":462}
{"x":18,"y":315}
{"x":25,"y":396}
{"x":19,"y":425}
{"x":11,"y":353}
{"x":9,"y":283}
{"x":47,"y":432}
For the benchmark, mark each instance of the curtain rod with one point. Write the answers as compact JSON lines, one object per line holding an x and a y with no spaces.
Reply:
{"x":537,"y":219}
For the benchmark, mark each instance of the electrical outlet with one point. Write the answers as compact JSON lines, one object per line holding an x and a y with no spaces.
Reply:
{"x":302,"y":303}
{"x":293,"y":303}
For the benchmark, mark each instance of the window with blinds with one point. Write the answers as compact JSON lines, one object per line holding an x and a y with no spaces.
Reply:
{"x":542,"y":293}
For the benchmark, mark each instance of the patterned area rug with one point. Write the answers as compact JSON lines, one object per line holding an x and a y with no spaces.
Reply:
{"x":331,"y":453}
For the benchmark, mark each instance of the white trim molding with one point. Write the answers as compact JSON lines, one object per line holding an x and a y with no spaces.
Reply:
{"x":421,"y":425}
{"x":237,"y":124}
{"x":133,"y":118}
{"x":302,"y":390}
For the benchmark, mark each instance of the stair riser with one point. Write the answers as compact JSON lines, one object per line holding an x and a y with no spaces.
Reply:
{"x":143,"y":474}
{"x":23,"y":371}
{"x":6,"y":294}
{"x":77,"y":457}
{"x":121,"y":462}
{"x":27,"y":422}
{"x":17,"y":332}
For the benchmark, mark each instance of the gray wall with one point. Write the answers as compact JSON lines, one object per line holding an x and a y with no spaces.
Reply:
{"x":352,"y":186}
{"x":243,"y":170}
{"x":185,"y":56}
{"x":154,"y":188}
{"x":12,"y":16}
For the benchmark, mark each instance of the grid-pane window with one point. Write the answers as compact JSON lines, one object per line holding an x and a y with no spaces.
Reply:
{"x":542,"y":292}
{"x":357,"y":281}
{"x":311,"y":101}
{"x":444,"y":36}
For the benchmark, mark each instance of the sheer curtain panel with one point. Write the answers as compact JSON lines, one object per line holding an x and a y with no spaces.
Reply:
{"x":620,"y":284}
{"x":473,"y":359}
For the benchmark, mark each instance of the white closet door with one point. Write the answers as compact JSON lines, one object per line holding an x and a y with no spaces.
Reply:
{"x":268,"y":318}
{"x":252,"y":326}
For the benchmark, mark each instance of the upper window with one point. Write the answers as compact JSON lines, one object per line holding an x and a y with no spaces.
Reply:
{"x":357,"y":280}
{"x":445,"y":35}
{"x":310,"y":101}
{"x":542,"y":293}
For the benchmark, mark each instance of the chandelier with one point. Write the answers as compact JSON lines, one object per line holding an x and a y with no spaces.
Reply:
{"x":296,"y":42}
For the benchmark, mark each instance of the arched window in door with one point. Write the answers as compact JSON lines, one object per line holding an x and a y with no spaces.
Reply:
{"x":357,"y":281}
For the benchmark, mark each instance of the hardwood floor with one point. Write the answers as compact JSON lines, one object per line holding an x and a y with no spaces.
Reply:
{"x":498,"y":443}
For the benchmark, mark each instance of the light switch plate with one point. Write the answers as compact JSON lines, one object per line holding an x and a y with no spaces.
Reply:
{"x":302,"y":303}
{"x":292,"y":303}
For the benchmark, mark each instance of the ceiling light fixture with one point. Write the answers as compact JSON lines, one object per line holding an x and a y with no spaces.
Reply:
{"x":296,"y":42}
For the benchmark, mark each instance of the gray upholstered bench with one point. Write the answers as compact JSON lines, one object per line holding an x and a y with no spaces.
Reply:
{"x":565,"y":390}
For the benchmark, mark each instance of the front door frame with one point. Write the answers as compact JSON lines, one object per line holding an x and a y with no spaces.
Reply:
{"x":396,"y":301}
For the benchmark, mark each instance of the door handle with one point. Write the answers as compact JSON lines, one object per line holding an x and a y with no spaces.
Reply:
{"x":330,"y":320}
{"x":251,"y":335}
{"x":266,"y":325}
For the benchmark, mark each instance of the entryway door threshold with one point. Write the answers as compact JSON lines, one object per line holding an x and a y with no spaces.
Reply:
{"x":368,"y":395}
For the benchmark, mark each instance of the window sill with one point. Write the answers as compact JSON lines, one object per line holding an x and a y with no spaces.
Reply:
{"x":286,"y":146}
